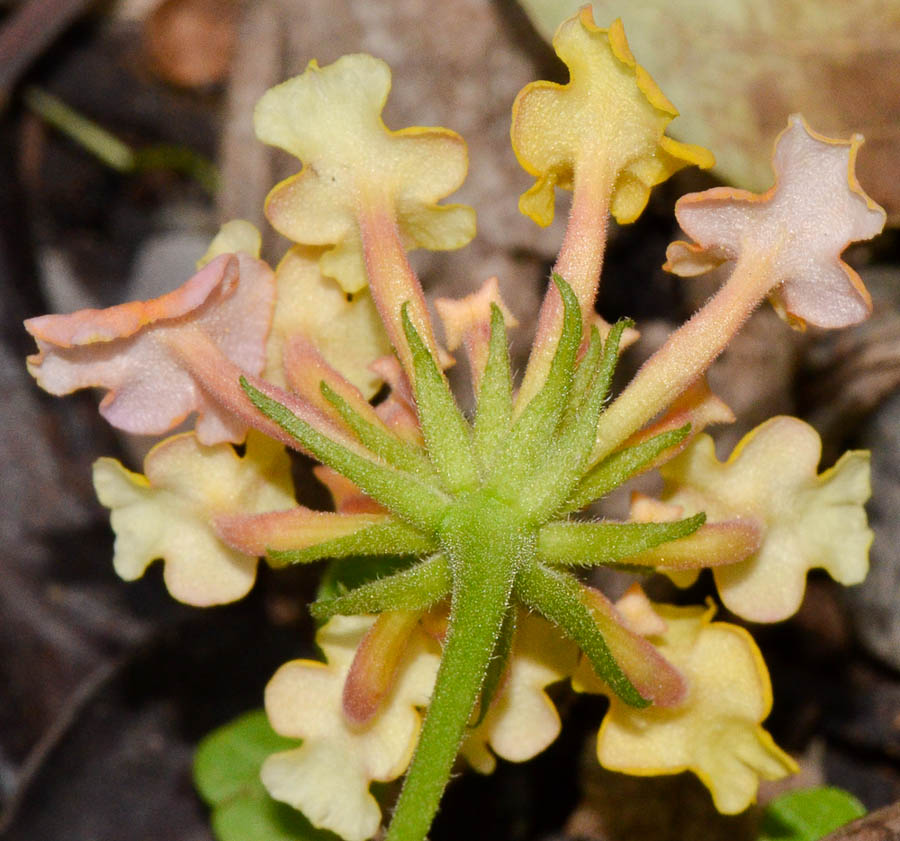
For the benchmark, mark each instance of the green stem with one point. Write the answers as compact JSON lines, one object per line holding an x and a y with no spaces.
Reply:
{"x":484,"y":556}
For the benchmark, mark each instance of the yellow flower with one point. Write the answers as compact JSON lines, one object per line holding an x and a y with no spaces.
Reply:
{"x":330,"y":118}
{"x":716,"y":732}
{"x":168,"y":513}
{"x":807,"y":520}
{"x":328,"y":776}
{"x":610,"y":116}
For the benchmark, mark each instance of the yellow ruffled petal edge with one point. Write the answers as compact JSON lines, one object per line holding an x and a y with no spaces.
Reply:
{"x":751,"y":755}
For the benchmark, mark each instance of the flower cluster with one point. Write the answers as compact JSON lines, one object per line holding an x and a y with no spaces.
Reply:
{"x":465,"y":531}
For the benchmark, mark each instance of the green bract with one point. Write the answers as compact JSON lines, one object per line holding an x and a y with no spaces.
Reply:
{"x":483,"y":507}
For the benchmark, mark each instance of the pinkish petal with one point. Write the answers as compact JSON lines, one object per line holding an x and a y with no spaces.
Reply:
{"x":813,"y":212}
{"x":306,"y":370}
{"x":128,"y":349}
{"x":467,"y":321}
{"x":637,"y":611}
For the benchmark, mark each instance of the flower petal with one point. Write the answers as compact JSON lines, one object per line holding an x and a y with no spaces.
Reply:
{"x":328,"y":777}
{"x":237,"y":235}
{"x":169,"y":512}
{"x":467,"y":321}
{"x":345,"y":329}
{"x":610,"y":111}
{"x":808,"y":520}
{"x":128,"y":349}
{"x":330,"y":118}
{"x":715,"y":732}
{"x":813,"y":212}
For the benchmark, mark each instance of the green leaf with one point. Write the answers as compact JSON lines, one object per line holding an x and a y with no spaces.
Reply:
{"x":497,"y":667}
{"x":809,"y":814}
{"x":537,"y":424}
{"x":447,"y":434}
{"x":345,"y":574}
{"x":226,"y":774}
{"x":608,"y":361}
{"x":584,"y":375}
{"x":622,"y":465}
{"x":381,"y":441}
{"x":556,"y":596}
{"x":379,"y":539}
{"x":559,"y":470}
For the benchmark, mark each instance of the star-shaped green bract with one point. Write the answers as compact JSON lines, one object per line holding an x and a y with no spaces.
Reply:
{"x":483,"y":507}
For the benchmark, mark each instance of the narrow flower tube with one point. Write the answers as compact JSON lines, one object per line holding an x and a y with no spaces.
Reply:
{"x":375,"y":665}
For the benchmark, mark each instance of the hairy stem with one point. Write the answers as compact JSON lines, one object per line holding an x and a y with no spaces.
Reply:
{"x":484,"y":555}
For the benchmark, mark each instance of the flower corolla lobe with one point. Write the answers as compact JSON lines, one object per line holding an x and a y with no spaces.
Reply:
{"x":799,"y":228}
{"x":140,"y":351}
{"x":609,"y":115}
{"x":354,"y":165}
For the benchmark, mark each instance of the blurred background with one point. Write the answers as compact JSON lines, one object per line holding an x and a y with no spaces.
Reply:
{"x":126,"y":139}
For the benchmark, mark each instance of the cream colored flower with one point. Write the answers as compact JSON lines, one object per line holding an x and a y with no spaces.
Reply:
{"x":328,"y":776}
{"x":168,"y":513}
{"x":235,"y":236}
{"x":716,"y":732}
{"x":330,"y":118}
{"x":807,"y":520}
